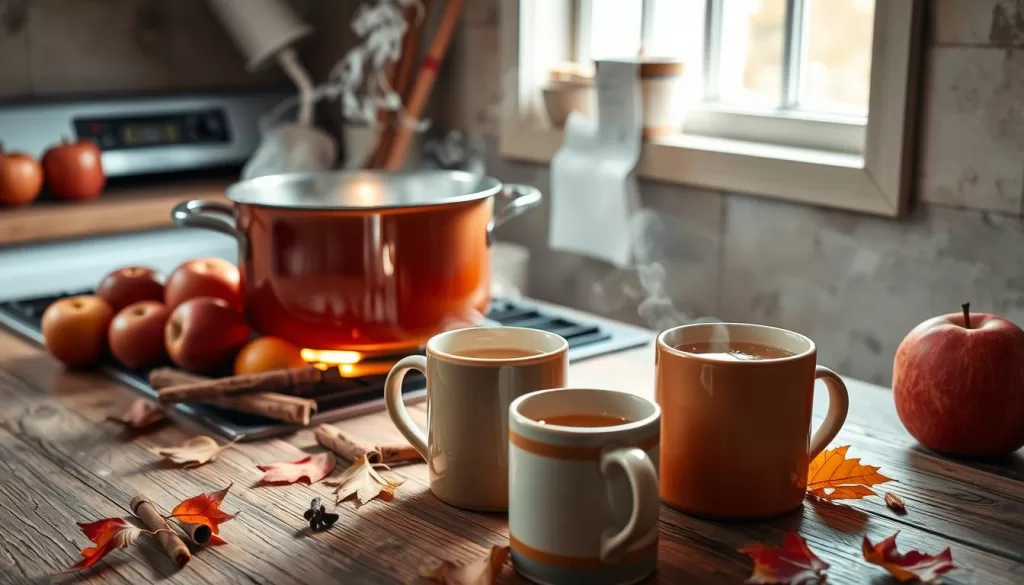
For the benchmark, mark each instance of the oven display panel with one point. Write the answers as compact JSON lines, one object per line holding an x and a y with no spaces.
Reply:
{"x":120,"y":133}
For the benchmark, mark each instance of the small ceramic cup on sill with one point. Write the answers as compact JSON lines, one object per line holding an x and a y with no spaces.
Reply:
{"x":583,"y":486}
{"x":570,"y":89}
{"x":663,"y":87}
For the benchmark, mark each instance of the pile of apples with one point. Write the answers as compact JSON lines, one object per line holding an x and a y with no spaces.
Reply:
{"x":193,"y":318}
{"x":71,"y":171}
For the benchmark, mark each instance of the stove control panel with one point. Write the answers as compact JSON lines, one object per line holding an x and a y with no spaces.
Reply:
{"x":146,"y":134}
{"x":116,"y":133}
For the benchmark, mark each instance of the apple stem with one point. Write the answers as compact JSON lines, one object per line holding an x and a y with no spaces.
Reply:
{"x":967,"y":314}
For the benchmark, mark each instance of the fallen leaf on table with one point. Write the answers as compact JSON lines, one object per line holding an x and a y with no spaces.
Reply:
{"x":141,"y":414}
{"x":792,"y":563}
{"x":479,"y":572}
{"x":193,"y":452}
{"x":106,"y":534}
{"x":907,"y":566}
{"x":831,"y":476}
{"x":895,"y":503}
{"x":312,"y":468}
{"x":203,"y":509}
{"x":363,"y":481}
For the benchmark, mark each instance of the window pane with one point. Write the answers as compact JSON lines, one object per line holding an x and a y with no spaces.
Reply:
{"x":836,"y":75}
{"x":615,"y":28}
{"x":750,"y":57}
{"x":677,"y":31}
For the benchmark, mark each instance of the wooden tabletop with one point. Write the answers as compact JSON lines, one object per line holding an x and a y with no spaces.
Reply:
{"x":61,"y":462}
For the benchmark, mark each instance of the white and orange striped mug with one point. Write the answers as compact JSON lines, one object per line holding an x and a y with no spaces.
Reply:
{"x":583,"y":486}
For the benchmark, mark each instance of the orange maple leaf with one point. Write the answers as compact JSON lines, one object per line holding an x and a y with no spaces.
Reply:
{"x":831,"y":476}
{"x":106,"y":534}
{"x":481,"y":571}
{"x":907,"y":566}
{"x":203,"y":509}
{"x":312,"y":468}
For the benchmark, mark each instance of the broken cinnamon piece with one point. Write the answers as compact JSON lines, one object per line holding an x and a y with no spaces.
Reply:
{"x":144,"y":509}
{"x":290,"y":381}
{"x":332,"y":438}
{"x":165,"y":377}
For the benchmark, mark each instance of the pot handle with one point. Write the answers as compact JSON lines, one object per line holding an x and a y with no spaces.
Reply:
{"x":209,"y":215}
{"x":516,"y":199}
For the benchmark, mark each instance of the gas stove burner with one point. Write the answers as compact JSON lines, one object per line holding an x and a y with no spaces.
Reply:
{"x":365,"y":375}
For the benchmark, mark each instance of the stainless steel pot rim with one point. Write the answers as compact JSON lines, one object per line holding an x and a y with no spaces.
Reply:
{"x":363,"y":190}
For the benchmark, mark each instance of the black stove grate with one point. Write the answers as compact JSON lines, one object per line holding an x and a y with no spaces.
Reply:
{"x":587,"y":338}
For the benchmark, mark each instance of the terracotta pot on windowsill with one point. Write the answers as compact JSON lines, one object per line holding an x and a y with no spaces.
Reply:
{"x":570,"y":88}
{"x":663,"y":88}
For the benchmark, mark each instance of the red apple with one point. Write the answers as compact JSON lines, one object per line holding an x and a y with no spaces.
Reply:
{"x":958,"y":382}
{"x":204,"y":334}
{"x":74,"y":170}
{"x":136,"y":334}
{"x":75,"y":329}
{"x":204,"y":277}
{"x":129,"y":285}
{"x":21,"y":178}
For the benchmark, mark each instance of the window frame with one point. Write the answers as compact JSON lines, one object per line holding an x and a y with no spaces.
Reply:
{"x":877,"y":181}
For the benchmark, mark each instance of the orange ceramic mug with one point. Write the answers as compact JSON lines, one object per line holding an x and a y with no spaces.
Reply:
{"x":736,"y":415}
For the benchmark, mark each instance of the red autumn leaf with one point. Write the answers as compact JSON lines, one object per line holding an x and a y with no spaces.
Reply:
{"x":831,"y":476}
{"x":140,"y":414}
{"x":481,"y":571}
{"x":203,"y":509}
{"x":907,"y":566}
{"x":215,"y":541}
{"x":106,"y":534}
{"x":793,"y":563}
{"x":312,"y":468}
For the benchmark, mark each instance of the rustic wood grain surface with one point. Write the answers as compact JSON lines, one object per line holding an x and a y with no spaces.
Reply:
{"x":62,"y":462}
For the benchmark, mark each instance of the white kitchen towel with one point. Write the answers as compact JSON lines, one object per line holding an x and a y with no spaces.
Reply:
{"x":593,"y":186}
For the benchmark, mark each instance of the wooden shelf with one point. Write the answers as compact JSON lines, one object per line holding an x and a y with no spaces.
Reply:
{"x":119,"y":209}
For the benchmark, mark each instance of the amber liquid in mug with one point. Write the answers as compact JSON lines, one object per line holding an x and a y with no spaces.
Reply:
{"x":498,"y":353}
{"x":584,"y":420}
{"x":736,"y":351}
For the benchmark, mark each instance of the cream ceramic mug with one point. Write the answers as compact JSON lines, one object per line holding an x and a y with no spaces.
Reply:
{"x":473,"y":375}
{"x":736,"y":431}
{"x":583,"y":486}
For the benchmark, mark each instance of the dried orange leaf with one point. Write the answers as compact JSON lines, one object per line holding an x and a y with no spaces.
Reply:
{"x":193,"y":452}
{"x":312,"y":468}
{"x":895,"y":503}
{"x":831,"y":476}
{"x":907,"y":566}
{"x":363,"y":481}
{"x":203,"y":509}
{"x":140,"y":414}
{"x":792,"y":563}
{"x":107,"y":534}
{"x":482,"y":571}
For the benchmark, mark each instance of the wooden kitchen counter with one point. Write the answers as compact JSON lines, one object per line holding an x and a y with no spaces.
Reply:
{"x":120,"y":208}
{"x":61,"y":462}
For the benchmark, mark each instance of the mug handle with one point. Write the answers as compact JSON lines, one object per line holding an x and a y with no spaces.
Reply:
{"x":643,"y":481}
{"x":838,"y":406}
{"x":209,"y":215}
{"x":396,"y":405}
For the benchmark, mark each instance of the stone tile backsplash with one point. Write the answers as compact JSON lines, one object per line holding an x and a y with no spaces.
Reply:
{"x":854,"y":283}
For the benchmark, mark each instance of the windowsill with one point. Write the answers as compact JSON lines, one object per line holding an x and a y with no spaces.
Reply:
{"x":818,"y":177}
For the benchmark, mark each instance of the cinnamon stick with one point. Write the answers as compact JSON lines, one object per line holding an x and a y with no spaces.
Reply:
{"x":332,"y":438}
{"x":424,"y":82}
{"x":197,"y":533}
{"x":282,"y":407}
{"x":293,"y":381}
{"x":143,"y":507}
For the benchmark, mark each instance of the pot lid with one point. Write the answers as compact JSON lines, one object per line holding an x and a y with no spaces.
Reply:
{"x":362,"y":190}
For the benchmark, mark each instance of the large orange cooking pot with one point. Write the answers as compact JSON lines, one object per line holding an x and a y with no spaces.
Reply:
{"x":369,"y":261}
